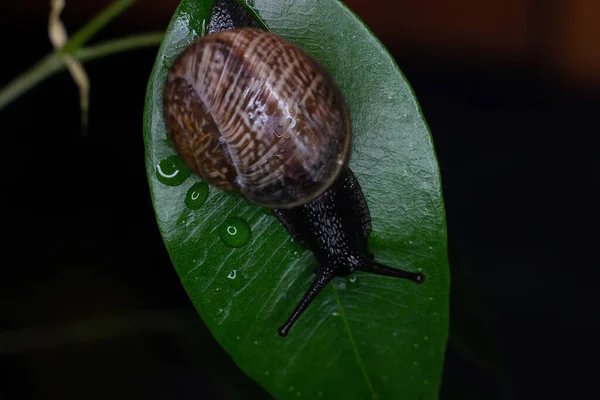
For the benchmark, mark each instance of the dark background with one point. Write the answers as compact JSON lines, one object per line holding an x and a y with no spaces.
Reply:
{"x":91,"y":307}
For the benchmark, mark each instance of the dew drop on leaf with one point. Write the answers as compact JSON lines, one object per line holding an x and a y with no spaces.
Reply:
{"x":235,"y":232}
{"x":171,"y":171}
{"x":352,"y":281}
{"x":197,"y":195}
{"x":296,"y":248}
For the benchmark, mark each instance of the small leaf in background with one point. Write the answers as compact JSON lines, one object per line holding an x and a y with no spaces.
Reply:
{"x":365,"y":336}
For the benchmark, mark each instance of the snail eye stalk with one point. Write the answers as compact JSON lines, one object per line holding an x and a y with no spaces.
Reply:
{"x":318,"y":284}
{"x":380,"y":269}
{"x":325,"y":276}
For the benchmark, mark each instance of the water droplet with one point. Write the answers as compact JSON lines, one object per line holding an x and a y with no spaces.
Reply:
{"x":431,"y":299}
{"x":335,"y":314}
{"x":426,"y":337}
{"x":266,"y":372}
{"x":171,"y":171}
{"x":395,"y":334}
{"x":416,"y":345}
{"x":296,"y":248}
{"x":197,"y":195}
{"x":352,"y":281}
{"x":232,"y":274}
{"x":291,"y":388}
{"x":430,"y":248}
{"x":256,"y":342}
{"x":237,"y":337}
{"x":235,"y":232}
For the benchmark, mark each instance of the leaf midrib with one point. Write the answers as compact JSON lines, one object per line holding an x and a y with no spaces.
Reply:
{"x":361,"y":365}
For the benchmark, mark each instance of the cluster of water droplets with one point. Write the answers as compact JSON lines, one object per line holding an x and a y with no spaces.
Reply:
{"x":171,"y":171}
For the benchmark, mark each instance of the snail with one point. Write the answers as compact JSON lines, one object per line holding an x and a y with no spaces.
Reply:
{"x":249,"y":112}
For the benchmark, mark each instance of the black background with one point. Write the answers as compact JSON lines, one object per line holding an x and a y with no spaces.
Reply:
{"x":91,"y":306}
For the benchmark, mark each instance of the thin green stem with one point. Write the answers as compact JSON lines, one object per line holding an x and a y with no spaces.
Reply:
{"x":118,"y":46}
{"x":52,"y":63}
{"x":98,"y":22}
{"x":43,"y":69}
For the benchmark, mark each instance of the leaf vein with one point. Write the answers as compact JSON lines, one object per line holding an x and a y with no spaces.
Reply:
{"x":353,"y":344}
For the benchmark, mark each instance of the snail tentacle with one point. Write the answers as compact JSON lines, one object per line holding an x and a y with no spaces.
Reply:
{"x":321,"y":280}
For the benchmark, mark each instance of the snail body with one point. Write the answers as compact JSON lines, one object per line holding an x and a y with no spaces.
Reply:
{"x":250,"y":112}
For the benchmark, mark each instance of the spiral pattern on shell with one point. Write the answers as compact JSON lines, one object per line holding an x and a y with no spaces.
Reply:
{"x":250,"y":112}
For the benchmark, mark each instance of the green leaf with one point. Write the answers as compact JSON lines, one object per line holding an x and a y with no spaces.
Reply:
{"x":365,"y":336}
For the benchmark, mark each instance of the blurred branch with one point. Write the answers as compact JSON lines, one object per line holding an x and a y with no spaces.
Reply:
{"x":52,"y":63}
{"x":96,"y":24}
{"x":119,"y":46}
{"x":58,"y":36}
{"x":68,"y":53}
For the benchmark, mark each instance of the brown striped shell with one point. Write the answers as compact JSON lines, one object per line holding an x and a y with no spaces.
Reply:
{"x":250,"y":112}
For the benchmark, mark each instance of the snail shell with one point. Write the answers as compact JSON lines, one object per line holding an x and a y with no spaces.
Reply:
{"x":252,"y":113}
